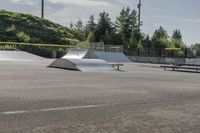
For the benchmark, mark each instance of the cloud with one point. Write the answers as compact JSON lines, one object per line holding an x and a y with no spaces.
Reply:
{"x":190,"y":20}
{"x":63,"y":2}
{"x":80,"y":2}
{"x":24,"y":2}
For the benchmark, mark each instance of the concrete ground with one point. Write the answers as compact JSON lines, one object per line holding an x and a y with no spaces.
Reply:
{"x":140,"y":99}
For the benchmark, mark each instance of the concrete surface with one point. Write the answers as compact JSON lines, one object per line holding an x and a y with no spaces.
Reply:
{"x":140,"y":99}
{"x":19,"y":55}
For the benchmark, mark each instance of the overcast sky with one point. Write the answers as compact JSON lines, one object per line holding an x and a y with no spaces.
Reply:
{"x":171,"y":14}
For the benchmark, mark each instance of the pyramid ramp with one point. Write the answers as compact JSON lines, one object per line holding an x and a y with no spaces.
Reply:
{"x":82,"y":64}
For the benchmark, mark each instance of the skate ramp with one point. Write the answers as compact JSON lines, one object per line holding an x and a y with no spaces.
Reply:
{"x":75,"y":53}
{"x":19,"y":55}
{"x":111,"y":56}
{"x":82,"y":64}
{"x":88,"y":60}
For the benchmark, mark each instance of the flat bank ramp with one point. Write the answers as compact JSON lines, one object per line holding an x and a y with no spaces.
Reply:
{"x":19,"y":55}
{"x":111,"y":56}
{"x":82,"y":64}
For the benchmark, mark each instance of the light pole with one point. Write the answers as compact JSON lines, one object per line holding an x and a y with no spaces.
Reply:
{"x":42,"y":7}
{"x":139,"y":14}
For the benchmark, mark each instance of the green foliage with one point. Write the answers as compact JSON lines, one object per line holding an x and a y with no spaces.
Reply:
{"x":7,"y":47}
{"x":177,"y":43}
{"x":91,"y":25}
{"x":127,"y":28}
{"x":196,"y":49}
{"x":105,"y":27}
{"x":134,"y":43}
{"x":22,"y":37}
{"x":160,"y":33}
{"x":79,"y":30}
{"x":91,"y":37}
{"x":146,"y":42}
{"x":28,"y":28}
{"x":177,"y":35}
{"x":106,"y":38}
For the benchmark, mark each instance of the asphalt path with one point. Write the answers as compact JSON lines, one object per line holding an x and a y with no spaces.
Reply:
{"x":142,"y":98}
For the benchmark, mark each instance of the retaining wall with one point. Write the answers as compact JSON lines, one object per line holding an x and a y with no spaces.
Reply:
{"x":157,"y":60}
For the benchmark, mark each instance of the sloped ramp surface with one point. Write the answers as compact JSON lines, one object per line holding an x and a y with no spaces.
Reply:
{"x":18,"y":55}
{"x":82,"y":64}
{"x":76,"y":53}
{"x":111,"y":56}
{"x":64,"y":64}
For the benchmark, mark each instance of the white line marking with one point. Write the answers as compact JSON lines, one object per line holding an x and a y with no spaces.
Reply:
{"x":50,"y":109}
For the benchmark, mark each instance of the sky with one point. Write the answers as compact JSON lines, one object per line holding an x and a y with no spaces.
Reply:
{"x":171,"y":14}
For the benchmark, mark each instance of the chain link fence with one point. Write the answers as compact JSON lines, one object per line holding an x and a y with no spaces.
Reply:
{"x":153,"y":52}
{"x":100,"y":46}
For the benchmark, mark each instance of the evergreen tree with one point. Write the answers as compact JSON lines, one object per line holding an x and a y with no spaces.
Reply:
{"x":90,"y":28}
{"x":147,"y":42}
{"x":160,"y":38}
{"x":79,"y":30}
{"x":160,"y":33}
{"x":107,"y":38}
{"x":196,"y":49}
{"x":177,"y":35}
{"x":104,"y":26}
{"x":79,"y":25}
{"x":91,"y":25}
{"x":71,"y":26}
{"x":127,"y":27}
{"x":133,"y":40}
{"x":91,"y":37}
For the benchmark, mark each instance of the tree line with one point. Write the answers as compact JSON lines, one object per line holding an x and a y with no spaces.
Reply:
{"x":125,"y":31}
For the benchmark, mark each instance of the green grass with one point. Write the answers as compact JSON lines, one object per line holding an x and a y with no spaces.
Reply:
{"x":18,"y":27}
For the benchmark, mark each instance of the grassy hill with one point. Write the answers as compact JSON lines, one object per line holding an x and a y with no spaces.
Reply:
{"x":20,"y":27}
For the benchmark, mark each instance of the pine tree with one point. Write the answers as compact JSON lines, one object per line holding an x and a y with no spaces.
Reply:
{"x":79,"y":30}
{"x":91,"y":37}
{"x":127,"y":24}
{"x":160,"y":33}
{"x":79,"y":25}
{"x":177,"y":35}
{"x":91,"y":25}
{"x":105,"y":25}
{"x":160,"y":38}
{"x":133,"y":40}
{"x":107,"y":38}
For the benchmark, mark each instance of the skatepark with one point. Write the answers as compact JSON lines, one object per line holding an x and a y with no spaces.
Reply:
{"x":139,"y":98}
{"x":89,"y":60}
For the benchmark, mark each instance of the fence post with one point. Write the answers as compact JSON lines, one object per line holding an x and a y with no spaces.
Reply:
{"x":149,"y":52}
{"x":160,"y":52}
{"x":138,"y":51}
{"x":186,"y":53}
